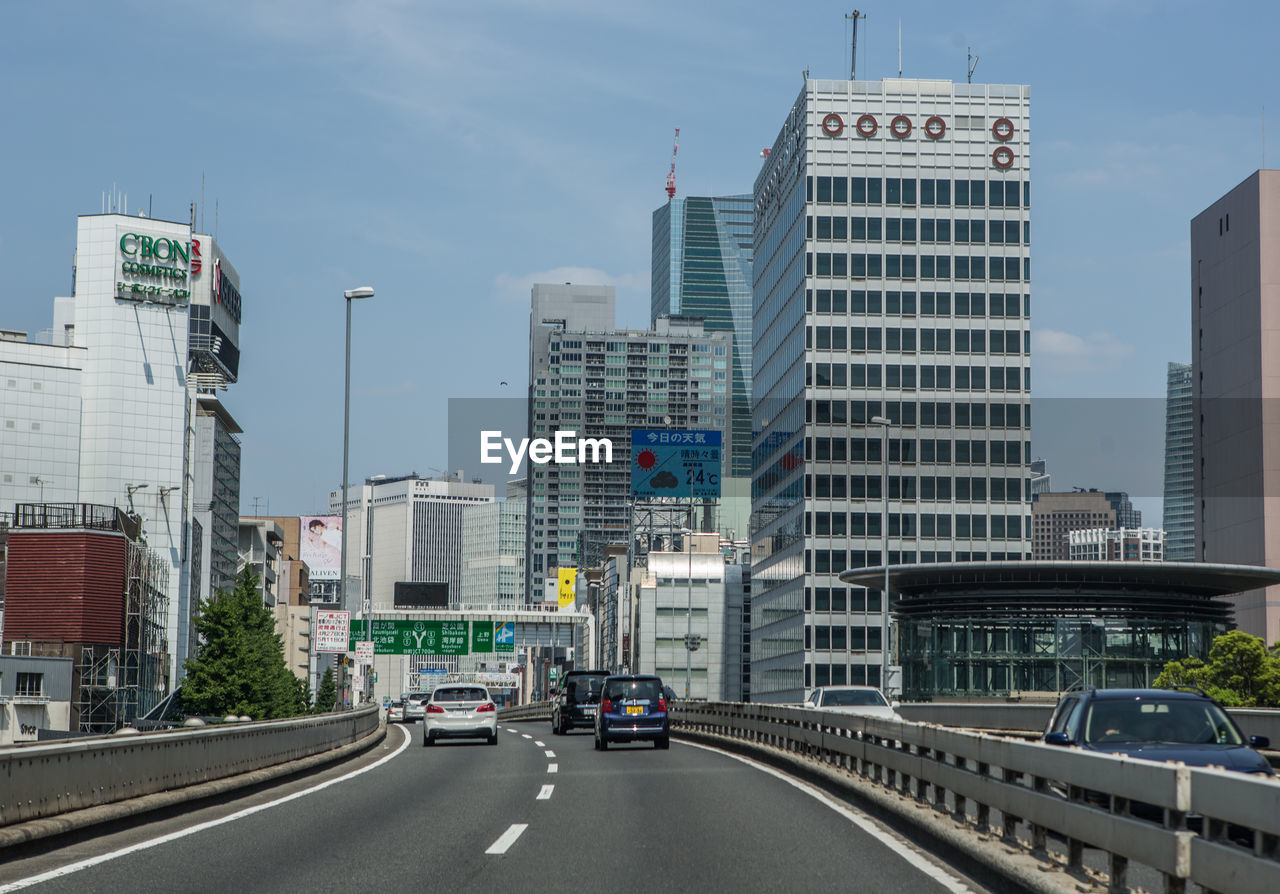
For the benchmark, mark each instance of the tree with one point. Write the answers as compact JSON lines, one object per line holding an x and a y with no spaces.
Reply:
{"x":241,"y":666}
{"x":1241,"y":672}
{"x":327,"y":694}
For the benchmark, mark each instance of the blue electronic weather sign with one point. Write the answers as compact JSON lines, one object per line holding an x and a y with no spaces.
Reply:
{"x":675,"y":464}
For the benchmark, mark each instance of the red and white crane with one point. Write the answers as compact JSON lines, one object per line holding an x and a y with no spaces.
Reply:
{"x":671,"y":175}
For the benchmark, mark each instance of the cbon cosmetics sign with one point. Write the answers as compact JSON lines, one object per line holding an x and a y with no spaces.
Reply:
{"x":566,"y":450}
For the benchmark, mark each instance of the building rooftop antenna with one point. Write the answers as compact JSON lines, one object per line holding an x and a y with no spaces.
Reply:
{"x":671,"y":175}
{"x":973,"y":63}
{"x":853,"y":47}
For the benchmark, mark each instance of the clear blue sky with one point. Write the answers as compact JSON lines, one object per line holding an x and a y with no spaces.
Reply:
{"x":452,"y":154}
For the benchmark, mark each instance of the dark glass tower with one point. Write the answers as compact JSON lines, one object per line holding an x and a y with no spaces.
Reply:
{"x":702,"y":249}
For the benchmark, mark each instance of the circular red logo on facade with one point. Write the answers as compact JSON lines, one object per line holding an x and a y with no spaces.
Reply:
{"x":867,"y":126}
{"x":900,"y":126}
{"x":1002,"y":129}
{"x":646,"y":459}
{"x":935,"y":127}
{"x":790,"y":461}
{"x":1002,"y":157}
{"x":833,"y":125}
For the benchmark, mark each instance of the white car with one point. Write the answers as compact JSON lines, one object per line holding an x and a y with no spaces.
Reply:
{"x":462,"y":711}
{"x":414,"y":706}
{"x":864,"y":701}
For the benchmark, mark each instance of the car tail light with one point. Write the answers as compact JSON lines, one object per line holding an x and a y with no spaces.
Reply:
{"x":606,"y":706}
{"x":662,"y":704}
{"x":434,"y":709}
{"x":487,"y":706}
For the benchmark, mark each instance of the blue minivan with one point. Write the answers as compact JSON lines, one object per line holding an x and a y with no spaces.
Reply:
{"x":633,"y":708}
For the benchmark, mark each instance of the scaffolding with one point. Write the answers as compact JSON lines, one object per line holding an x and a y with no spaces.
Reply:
{"x":117,"y":683}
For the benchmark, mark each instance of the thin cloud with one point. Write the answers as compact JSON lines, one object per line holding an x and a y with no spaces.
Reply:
{"x":1070,"y":347}
{"x":518,"y":287}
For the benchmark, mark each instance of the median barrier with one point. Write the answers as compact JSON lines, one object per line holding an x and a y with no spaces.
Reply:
{"x":995,"y":789}
{"x":50,"y":788}
{"x":531,"y":711}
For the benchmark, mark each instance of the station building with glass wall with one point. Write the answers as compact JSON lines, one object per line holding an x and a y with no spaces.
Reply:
{"x":975,"y":629}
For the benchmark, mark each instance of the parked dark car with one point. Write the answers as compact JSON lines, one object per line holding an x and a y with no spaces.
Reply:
{"x":578,"y":700}
{"x":1157,"y":725}
{"x":633,"y":708}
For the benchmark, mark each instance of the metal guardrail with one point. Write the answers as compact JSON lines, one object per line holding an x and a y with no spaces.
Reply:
{"x":993,"y":785}
{"x":531,"y":711}
{"x":44,"y":780}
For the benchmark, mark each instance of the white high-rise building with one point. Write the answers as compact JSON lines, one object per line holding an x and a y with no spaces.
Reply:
{"x":104,"y":410}
{"x":892,"y":267}
{"x":405,"y":529}
{"x":493,"y":551}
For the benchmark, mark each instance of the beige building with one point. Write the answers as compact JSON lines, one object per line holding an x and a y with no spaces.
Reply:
{"x":1055,"y":515}
{"x":1235,"y":332}
{"x":273,"y":545}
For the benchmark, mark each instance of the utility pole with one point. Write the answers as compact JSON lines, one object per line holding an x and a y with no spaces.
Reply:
{"x":853,"y":50}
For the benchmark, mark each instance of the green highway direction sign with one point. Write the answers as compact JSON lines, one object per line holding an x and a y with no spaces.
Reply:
{"x":438,"y":637}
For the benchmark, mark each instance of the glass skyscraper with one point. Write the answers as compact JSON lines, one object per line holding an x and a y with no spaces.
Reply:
{"x":1179,"y":485}
{"x":891,"y":281}
{"x":702,"y":249}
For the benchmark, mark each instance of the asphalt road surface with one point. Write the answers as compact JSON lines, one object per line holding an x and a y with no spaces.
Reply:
{"x":535,"y":813}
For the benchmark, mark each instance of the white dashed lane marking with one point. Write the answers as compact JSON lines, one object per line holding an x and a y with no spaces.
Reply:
{"x":553,"y":768}
{"x":525,"y":736}
{"x":545,"y":794}
{"x":550,"y":753}
{"x":507,"y":838}
{"x":539,"y":744}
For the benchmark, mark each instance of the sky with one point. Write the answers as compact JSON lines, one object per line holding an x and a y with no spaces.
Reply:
{"x":452,"y":154}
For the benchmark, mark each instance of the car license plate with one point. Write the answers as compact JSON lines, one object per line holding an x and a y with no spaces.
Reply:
{"x":590,"y":712}
{"x":635,"y":709}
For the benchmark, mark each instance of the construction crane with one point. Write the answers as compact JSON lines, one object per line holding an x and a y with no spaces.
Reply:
{"x":671,"y":175}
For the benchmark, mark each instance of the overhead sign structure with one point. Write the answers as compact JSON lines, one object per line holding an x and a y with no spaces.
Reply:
{"x":333,"y":631}
{"x":504,"y":636}
{"x":420,"y":637}
{"x":481,"y":636}
{"x":675,"y":463}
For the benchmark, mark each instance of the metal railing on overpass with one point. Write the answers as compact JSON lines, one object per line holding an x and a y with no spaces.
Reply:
{"x":996,"y":786}
{"x":50,"y":779}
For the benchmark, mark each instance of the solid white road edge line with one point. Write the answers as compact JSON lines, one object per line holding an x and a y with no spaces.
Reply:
{"x":553,"y":768}
{"x":507,"y":838}
{"x":890,"y":839}
{"x":71,"y":868}
{"x":545,"y":794}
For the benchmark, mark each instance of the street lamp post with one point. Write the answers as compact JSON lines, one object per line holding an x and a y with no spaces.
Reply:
{"x":688,"y":617}
{"x":884,"y":424}
{"x":350,"y":295}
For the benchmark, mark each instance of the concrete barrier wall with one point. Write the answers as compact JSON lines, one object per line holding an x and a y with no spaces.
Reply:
{"x":44,"y":780}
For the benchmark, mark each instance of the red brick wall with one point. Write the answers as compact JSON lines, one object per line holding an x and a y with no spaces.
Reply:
{"x":65,"y":586}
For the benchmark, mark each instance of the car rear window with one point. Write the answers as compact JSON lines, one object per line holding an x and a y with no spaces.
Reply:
{"x":585,"y":689}
{"x":642,"y":689}
{"x":461,"y":694}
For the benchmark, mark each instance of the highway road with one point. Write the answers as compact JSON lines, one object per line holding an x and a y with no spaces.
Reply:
{"x":535,"y":813}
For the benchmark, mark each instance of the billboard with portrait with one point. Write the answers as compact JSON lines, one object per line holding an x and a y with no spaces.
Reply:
{"x":321,"y":545}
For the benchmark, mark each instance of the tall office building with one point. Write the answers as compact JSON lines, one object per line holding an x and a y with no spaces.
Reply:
{"x":1235,"y":388}
{"x":108,"y":410}
{"x":891,"y":281}
{"x":1179,"y":482}
{"x":599,"y":382}
{"x":702,"y":268}
{"x":405,"y":529}
{"x":493,"y":551}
